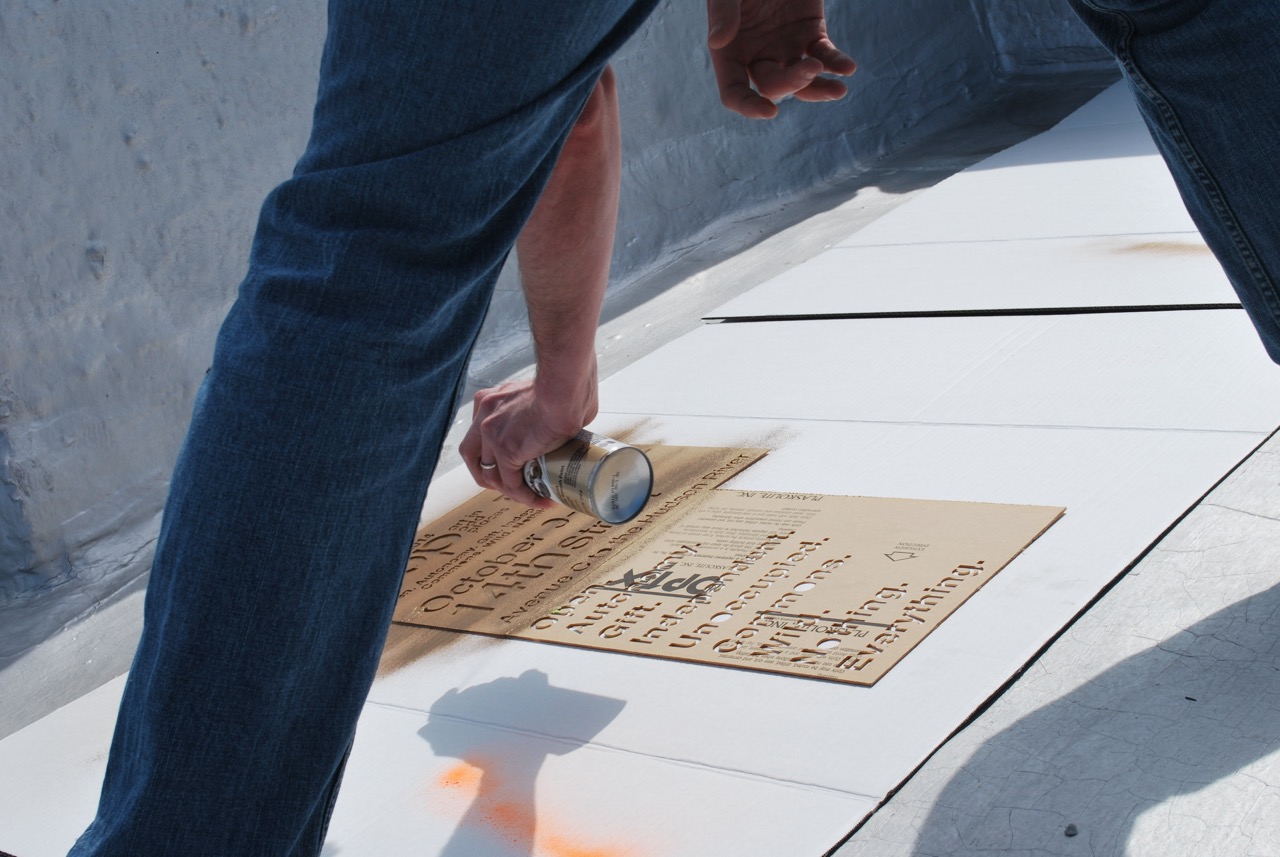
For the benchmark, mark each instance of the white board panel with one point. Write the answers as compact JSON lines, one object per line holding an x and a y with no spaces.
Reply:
{"x":1168,"y":269}
{"x":1075,"y":181}
{"x":51,"y":773}
{"x":1203,"y":370}
{"x":430,"y":785}
{"x":1122,"y":488}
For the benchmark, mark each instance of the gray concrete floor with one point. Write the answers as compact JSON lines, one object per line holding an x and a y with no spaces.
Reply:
{"x":1149,"y":727}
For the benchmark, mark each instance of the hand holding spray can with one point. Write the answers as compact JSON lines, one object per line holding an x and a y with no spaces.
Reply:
{"x":595,"y":475}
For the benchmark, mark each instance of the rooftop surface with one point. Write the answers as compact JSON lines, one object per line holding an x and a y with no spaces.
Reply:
{"x":1045,"y":327}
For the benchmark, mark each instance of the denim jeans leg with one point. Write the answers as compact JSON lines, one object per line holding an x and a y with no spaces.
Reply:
{"x":1206,"y":80}
{"x":294,"y":502}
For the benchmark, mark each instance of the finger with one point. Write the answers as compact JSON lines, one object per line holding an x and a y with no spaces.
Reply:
{"x":735,"y":89}
{"x":776,"y":81}
{"x":485,"y":477}
{"x":834,"y":60}
{"x":469,"y":450}
{"x":510,"y":481}
{"x":723,"y":19}
{"x":744,"y":100}
{"x":823,"y":89}
{"x":488,"y":468}
{"x":480,"y":401}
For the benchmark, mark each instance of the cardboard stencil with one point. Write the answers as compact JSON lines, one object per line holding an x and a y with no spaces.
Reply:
{"x":469,"y":566}
{"x":830,"y":587}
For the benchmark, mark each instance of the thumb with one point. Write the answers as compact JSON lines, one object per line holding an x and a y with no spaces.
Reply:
{"x":723,"y":19}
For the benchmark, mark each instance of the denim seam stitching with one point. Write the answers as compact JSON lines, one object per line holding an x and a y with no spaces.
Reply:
{"x":1264,"y":287}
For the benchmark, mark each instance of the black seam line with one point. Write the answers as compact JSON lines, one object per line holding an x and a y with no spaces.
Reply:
{"x":599,"y":746}
{"x":937,"y":424}
{"x":969,"y":313}
{"x":1092,"y":236}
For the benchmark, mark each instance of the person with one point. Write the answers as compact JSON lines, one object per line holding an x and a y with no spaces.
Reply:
{"x":294,"y":502}
{"x":785,"y":54}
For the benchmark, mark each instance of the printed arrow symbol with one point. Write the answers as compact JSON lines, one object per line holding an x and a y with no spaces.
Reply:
{"x":898,"y":556}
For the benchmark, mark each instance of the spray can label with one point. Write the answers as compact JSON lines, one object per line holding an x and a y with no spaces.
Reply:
{"x":595,"y":475}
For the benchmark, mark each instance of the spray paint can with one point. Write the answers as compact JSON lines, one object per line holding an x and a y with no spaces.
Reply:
{"x":595,"y":475}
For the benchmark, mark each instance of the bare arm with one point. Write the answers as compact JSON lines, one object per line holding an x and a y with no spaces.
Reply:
{"x":564,"y":253}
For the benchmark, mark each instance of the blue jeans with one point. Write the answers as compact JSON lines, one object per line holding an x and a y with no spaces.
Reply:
{"x":1207,"y":82}
{"x":294,"y":502}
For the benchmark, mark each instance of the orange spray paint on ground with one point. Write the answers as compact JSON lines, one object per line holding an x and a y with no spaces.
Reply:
{"x":560,"y":846}
{"x":462,"y":781}
{"x":461,"y":778}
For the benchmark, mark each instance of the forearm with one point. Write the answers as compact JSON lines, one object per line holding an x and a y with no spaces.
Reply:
{"x":564,"y":255}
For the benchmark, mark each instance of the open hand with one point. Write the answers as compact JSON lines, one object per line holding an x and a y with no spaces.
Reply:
{"x":779,"y":46}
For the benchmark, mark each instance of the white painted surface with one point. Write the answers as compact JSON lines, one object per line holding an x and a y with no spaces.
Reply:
{"x":1087,"y":216}
{"x":51,"y":773}
{"x":1104,"y":179}
{"x":1200,"y":370}
{"x":688,"y":736}
{"x":1054,"y":273}
{"x":584,"y":799}
{"x":1120,"y":495}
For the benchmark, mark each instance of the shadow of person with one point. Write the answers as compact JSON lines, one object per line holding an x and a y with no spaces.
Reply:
{"x":1077,"y":775}
{"x":501,"y":820}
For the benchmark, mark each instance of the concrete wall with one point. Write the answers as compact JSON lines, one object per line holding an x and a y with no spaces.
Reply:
{"x":1036,"y":36}
{"x":138,"y":140}
{"x":140,"y":136}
